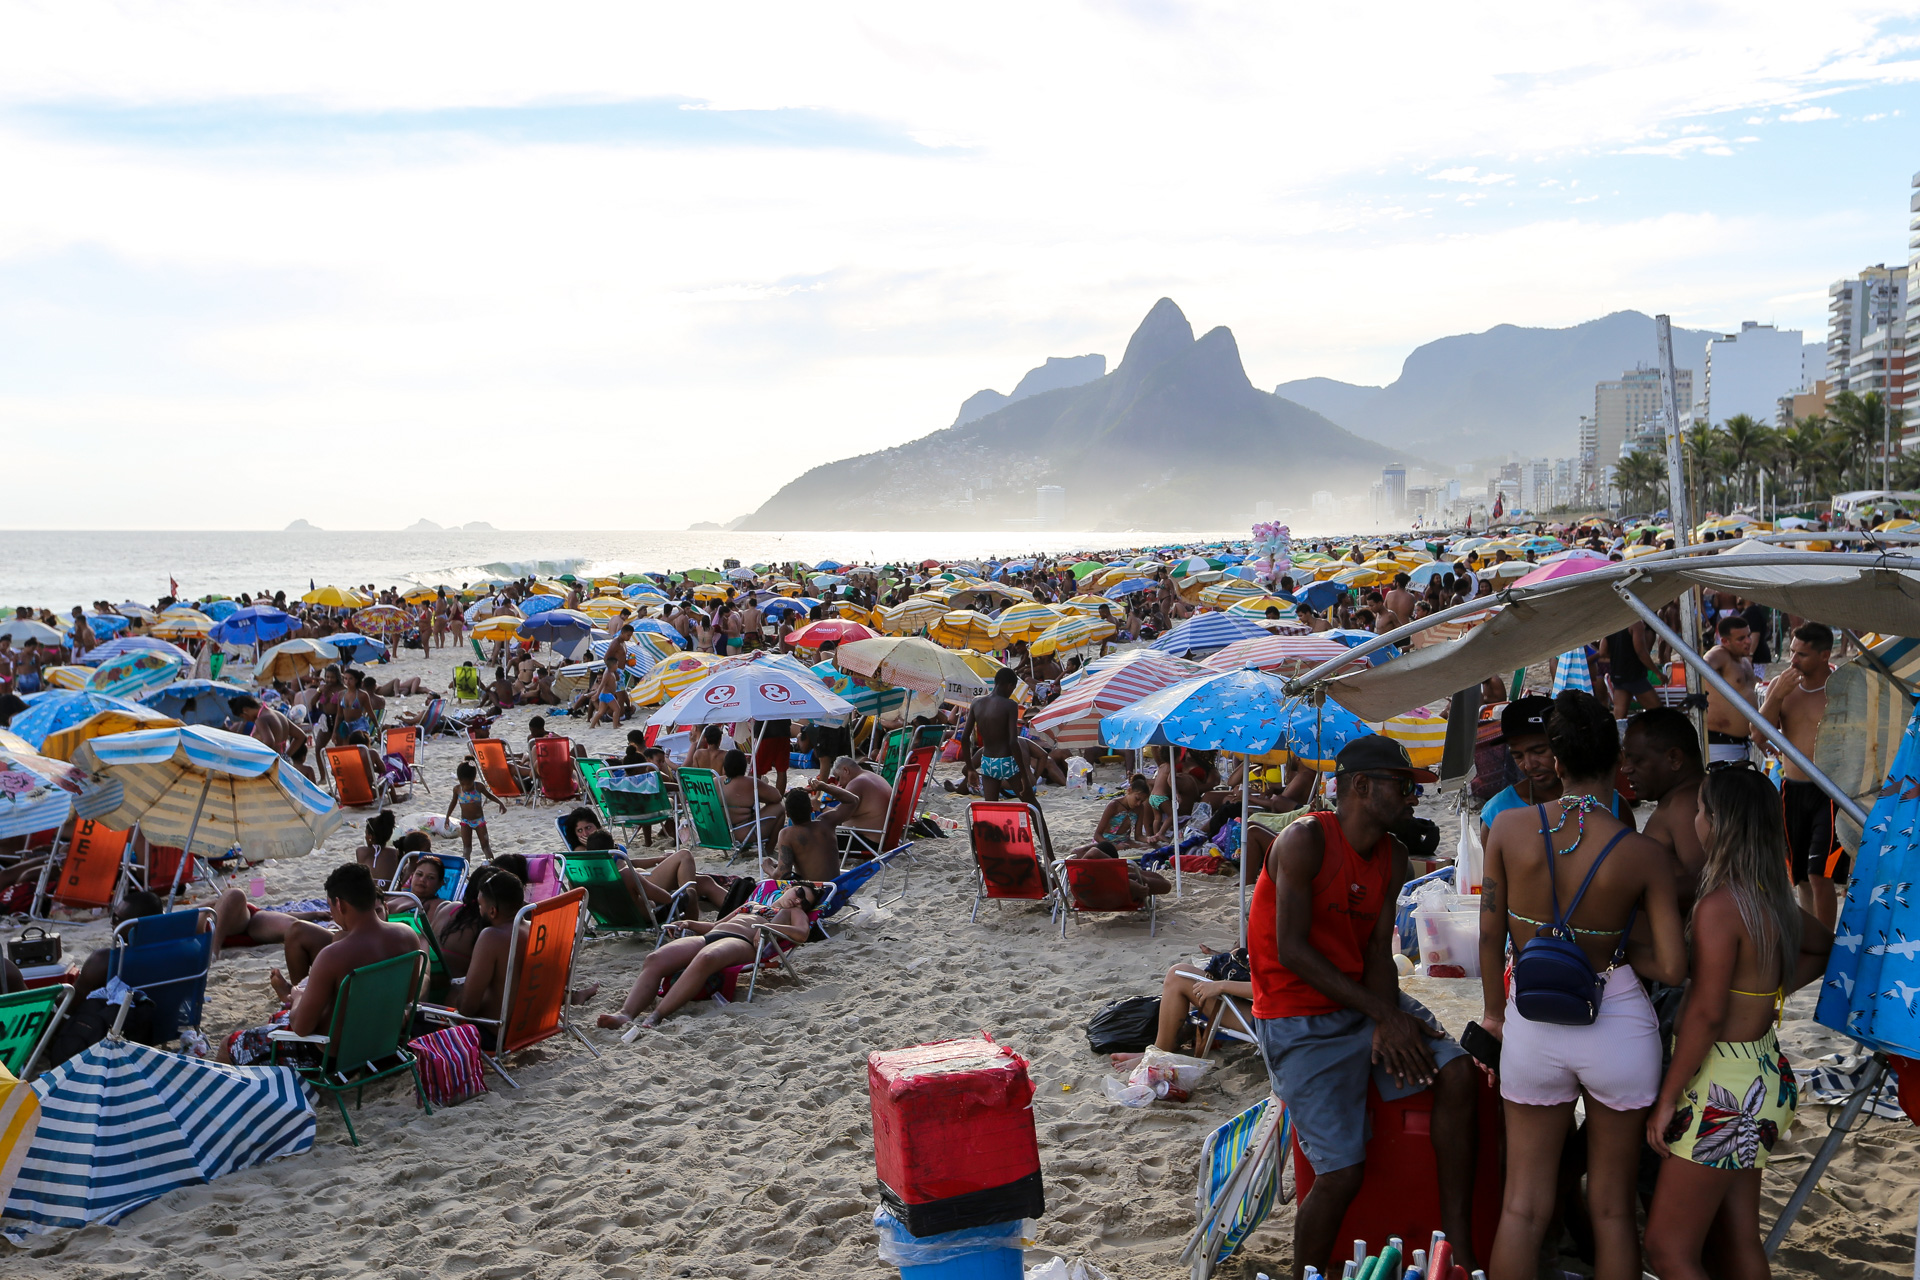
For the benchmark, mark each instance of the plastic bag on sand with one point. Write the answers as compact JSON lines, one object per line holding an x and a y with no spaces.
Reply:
{"x":1158,"y":1074}
{"x":1077,"y":770}
{"x":436,"y":824}
{"x":901,"y":1249}
{"x":1061,"y":1269}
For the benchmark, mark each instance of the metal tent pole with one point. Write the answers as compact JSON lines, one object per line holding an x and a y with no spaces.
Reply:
{"x":186,"y":854}
{"x":1828,"y":1149}
{"x":1246,"y":775}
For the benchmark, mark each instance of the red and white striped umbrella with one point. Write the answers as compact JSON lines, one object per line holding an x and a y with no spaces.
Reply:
{"x":1284,"y":655}
{"x":1074,"y":720}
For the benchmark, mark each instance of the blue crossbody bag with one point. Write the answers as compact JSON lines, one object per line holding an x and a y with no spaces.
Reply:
{"x":1553,"y":981}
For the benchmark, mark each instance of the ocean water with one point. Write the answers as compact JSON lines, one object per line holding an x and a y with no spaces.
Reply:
{"x":58,"y":570}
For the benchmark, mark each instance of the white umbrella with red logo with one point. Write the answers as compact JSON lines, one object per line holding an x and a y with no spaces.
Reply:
{"x":766,"y":687}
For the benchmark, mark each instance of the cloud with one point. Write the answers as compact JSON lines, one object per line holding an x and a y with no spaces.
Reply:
{"x":1469,"y":173}
{"x":1806,"y":114}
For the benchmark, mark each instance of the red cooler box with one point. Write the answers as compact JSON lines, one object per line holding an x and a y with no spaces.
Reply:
{"x":953,"y":1137}
{"x":1400,"y":1195}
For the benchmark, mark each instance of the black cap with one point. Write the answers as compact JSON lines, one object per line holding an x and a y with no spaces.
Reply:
{"x":1377,"y":753}
{"x":1525,"y":716}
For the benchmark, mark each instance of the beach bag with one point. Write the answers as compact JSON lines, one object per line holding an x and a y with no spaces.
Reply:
{"x":450,"y":1064}
{"x":1125,"y":1026}
{"x":1553,"y":981}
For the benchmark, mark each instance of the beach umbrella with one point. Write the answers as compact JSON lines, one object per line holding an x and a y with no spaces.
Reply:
{"x":965,"y":629}
{"x":1320,"y":596}
{"x":1086,"y":601}
{"x":644,"y":649}
{"x":1128,"y":587}
{"x":1558,"y":569}
{"x":1069,"y":634}
{"x":336,"y":598}
{"x":1285,"y":655}
{"x":1222,"y":594}
{"x":1421,"y":575}
{"x":504,"y":627}
{"x":122,"y":1124}
{"x":21,"y":630}
{"x":829,"y":631}
{"x":914,"y":613}
{"x":640,"y":589}
{"x":133,"y":609}
{"x":132,"y":644}
{"x":292,"y":659}
{"x":779,"y":607}
{"x":49,"y":713}
{"x":1256,"y":607}
{"x":669,"y":676}
{"x":555,"y":626}
{"x":354,"y":647}
{"x":212,"y":701}
{"x":256,"y":624}
{"x":602,"y":608}
{"x":666,"y":630}
{"x":181,"y":624}
{"x":865,"y":701}
{"x":1027,"y":620}
{"x":36,"y":791}
{"x":62,"y":745}
{"x":383,"y":620}
{"x":1104,"y":687}
{"x":830,"y":566}
{"x":910,"y":662}
{"x":1206,"y":632}
{"x":65,"y":677}
{"x":132,"y":674}
{"x":1317,"y":732}
{"x":545,"y":588}
{"x":107,"y":624}
{"x":206,"y":791}
{"x":420,"y":595}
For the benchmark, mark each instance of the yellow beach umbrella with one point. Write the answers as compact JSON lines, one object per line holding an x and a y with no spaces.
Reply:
{"x":66,"y":677}
{"x":504,"y":627}
{"x":181,"y":624}
{"x":291,"y":659}
{"x":1026,"y":620}
{"x":336,"y":598}
{"x":709,"y":592}
{"x":1256,"y":607}
{"x":607,"y":607}
{"x":1071,"y":633}
{"x":1091,"y":603}
{"x":62,"y":745}
{"x":669,"y":676}
{"x":420,"y":595}
{"x":1229,"y":591}
{"x":966,"y":629}
{"x":542,"y":587}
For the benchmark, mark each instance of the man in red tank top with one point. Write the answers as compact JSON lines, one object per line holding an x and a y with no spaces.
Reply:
{"x":1327,"y":1004}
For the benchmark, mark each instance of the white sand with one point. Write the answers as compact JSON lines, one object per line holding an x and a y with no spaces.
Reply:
{"x":736,"y":1142}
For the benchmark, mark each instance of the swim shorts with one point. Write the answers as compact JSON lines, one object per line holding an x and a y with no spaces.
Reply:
{"x":1811,"y":844}
{"x":1736,"y":1106}
{"x":1000,"y":768}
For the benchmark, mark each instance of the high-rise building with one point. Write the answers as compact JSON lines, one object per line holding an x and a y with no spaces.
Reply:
{"x":1393,"y":486}
{"x":1621,"y":405}
{"x":1874,"y":299}
{"x":1809,"y":402}
{"x":1050,"y":501}
{"x":1911,"y":393}
{"x":1536,"y":484}
{"x":1748,"y":372}
{"x":1324,"y":505}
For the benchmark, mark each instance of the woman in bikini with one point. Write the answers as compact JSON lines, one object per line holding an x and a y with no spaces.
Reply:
{"x":711,"y":947}
{"x":1572,"y":856}
{"x":1730,"y":1093}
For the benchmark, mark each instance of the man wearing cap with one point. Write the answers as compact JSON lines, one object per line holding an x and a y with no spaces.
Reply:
{"x":1523,"y":723}
{"x":1327,"y":1004}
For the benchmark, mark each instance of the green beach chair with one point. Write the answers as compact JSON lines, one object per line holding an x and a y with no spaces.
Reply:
{"x":611,"y":910}
{"x":367,"y":1040}
{"x":28,"y":1020}
{"x":439,"y":977}
{"x":712,"y":826}
{"x":625,"y":810}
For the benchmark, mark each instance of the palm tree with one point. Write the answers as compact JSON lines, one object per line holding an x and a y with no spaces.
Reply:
{"x":1747,"y":444}
{"x":1698,"y":445}
{"x":1642,"y":481}
{"x":1803,"y":450}
{"x":1857,"y":423}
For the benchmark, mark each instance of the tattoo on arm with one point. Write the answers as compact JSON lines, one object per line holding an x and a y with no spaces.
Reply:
{"x":1490,"y":897}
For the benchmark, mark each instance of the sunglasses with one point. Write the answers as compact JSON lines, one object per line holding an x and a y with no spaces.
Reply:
{"x":1407,"y":785}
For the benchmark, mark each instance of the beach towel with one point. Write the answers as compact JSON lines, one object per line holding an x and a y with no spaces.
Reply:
{"x":1572,"y":672}
{"x":450,"y":1064}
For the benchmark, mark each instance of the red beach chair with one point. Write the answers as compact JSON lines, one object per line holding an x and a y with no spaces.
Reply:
{"x":1010,"y":853}
{"x":88,"y":875}
{"x":553,"y":773}
{"x":1100,"y":884}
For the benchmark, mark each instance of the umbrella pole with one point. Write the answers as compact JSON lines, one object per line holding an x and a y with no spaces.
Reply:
{"x":1173,"y":801}
{"x":186,"y":854}
{"x":759,"y":827}
{"x":1246,"y":774}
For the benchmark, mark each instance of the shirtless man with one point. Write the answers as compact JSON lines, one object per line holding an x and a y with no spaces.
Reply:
{"x":806,"y":848}
{"x":365,"y":938}
{"x":707,"y":753}
{"x":1399,"y":601}
{"x":1796,"y":702}
{"x":741,"y":792}
{"x":864,"y":798}
{"x":1729,"y":733}
{"x":606,"y":699}
{"x":265,"y":724}
{"x":752,"y":622}
{"x":1661,"y":756}
{"x":1630,"y":663}
{"x":994,"y":721}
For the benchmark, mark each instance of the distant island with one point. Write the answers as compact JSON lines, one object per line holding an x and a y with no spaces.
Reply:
{"x":301,"y":526}
{"x":477,"y":526}
{"x":424,"y":525}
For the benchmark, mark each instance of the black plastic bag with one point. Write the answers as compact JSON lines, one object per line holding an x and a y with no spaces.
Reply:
{"x":1125,"y":1026}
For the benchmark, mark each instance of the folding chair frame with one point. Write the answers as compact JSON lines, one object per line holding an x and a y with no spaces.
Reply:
{"x":54,"y":1019}
{"x":1067,"y":907}
{"x":1043,"y":854}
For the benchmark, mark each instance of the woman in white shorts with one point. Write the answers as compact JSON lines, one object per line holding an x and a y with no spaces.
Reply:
{"x":1573,"y":859}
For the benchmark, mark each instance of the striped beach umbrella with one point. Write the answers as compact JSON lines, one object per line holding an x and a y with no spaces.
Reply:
{"x":1110,"y":684}
{"x":292,"y":659}
{"x":1228,"y":592}
{"x":669,"y":676}
{"x":1071,"y":633}
{"x":122,"y":1124}
{"x":36,"y":793}
{"x":49,"y":713}
{"x":182,"y":624}
{"x":62,"y":745}
{"x":1285,"y":655}
{"x":1027,"y":620}
{"x":866,"y":701}
{"x":132,"y":674}
{"x":1206,"y":632}
{"x":910,"y":662}
{"x":204,"y":790}
{"x":383,"y":620}
{"x":966,"y":629}
{"x":65,"y":677}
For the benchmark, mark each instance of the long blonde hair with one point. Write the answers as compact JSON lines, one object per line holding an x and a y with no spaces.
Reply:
{"x":1747,"y":856}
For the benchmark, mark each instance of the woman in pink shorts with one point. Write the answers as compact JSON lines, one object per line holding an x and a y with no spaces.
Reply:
{"x":1537,"y":860}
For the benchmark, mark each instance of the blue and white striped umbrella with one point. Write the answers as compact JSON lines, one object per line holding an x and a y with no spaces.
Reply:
{"x":132,"y":674}
{"x":36,"y":793}
{"x":257,"y":624}
{"x":1244,"y":712}
{"x":867,"y":702}
{"x":122,"y":1124}
{"x":656,"y":627}
{"x":1127,"y":588}
{"x":640,"y":589}
{"x":556,"y":626}
{"x":49,"y":713}
{"x":204,"y":789}
{"x":129,"y":644}
{"x":107,"y":624}
{"x":1207,"y":632}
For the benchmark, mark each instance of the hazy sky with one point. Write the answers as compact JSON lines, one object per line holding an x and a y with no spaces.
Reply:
{"x":633,"y":265}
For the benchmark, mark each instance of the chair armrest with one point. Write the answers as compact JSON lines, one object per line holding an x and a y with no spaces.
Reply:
{"x":287,"y":1037}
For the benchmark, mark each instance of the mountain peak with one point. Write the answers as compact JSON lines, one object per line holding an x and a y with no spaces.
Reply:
{"x":1164,"y":334}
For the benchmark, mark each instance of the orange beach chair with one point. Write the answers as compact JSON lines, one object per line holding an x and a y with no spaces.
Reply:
{"x":351,"y":785}
{"x":89,"y":874}
{"x":491,"y":755}
{"x":553,"y":773}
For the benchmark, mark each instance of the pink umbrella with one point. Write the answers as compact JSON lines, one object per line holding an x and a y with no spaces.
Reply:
{"x":1074,"y":719}
{"x":1286,"y":655}
{"x":1561,"y":569}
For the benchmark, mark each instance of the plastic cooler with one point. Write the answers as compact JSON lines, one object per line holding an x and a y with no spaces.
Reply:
{"x":1400,"y":1195}
{"x":953,"y":1137}
{"x":1450,"y":939}
{"x":991,"y":1252}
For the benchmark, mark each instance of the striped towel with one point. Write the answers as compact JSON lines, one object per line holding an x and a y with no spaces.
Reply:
{"x":1572,"y":672}
{"x":450,"y":1066}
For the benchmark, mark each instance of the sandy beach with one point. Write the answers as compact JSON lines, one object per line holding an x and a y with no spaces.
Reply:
{"x":736,"y":1141}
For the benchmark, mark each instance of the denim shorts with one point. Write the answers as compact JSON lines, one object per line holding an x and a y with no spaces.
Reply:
{"x":1318,"y":1065}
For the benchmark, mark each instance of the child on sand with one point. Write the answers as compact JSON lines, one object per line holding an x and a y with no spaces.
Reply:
{"x":1730,"y":1092}
{"x":471,"y":795}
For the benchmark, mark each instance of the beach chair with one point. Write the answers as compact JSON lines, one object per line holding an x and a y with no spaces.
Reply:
{"x":1100,"y":885}
{"x":413,"y":914}
{"x":1229,"y":1021}
{"x":404,"y":741}
{"x":617,"y":791}
{"x":533,"y":1007}
{"x":351,"y":785}
{"x":553,"y":775}
{"x":451,"y":883}
{"x":89,"y":875}
{"x":892,"y":841}
{"x":168,"y":872}
{"x":775,"y":950}
{"x":466,"y":680}
{"x":166,"y":958}
{"x":1012,"y":855}
{"x":366,"y":1041}
{"x":611,"y":910}
{"x":28,"y":1020}
{"x":543,"y":876}
{"x":433,"y":720}
{"x":713,"y":826}
{"x":1239,"y":1183}
{"x":491,"y":755}
{"x":902,"y":744}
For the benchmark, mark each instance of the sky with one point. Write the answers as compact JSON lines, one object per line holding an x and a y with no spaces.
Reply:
{"x":629,"y":266}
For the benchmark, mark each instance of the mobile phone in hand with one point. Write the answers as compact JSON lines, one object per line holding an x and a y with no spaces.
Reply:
{"x":1483,"y":1046}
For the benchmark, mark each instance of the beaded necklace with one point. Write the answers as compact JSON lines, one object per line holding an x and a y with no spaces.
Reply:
{"x":1582,"y":805}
